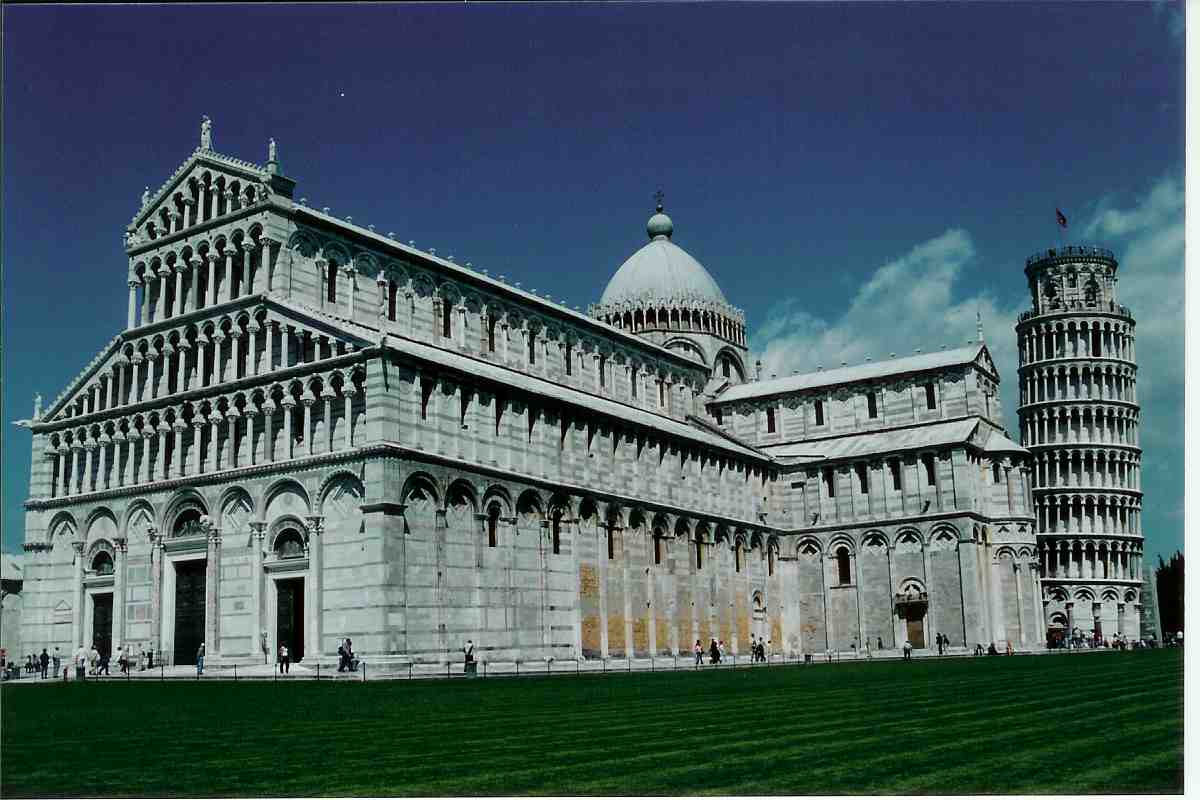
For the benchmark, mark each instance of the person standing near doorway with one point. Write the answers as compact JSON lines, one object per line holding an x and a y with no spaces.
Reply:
{"x":44,"y":663}
{"x":81,"y":660}
{"x":57,"y":661}
{"x":908,"y":650}
{"x":200,"y":660}
{"x":283,"y":659}
{"x":469,"y":658}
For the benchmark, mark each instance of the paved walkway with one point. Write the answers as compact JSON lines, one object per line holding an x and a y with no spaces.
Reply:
{"x":394,"y":669}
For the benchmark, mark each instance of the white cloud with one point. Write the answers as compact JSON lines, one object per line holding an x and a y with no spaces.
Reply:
{"x":908,"y":303}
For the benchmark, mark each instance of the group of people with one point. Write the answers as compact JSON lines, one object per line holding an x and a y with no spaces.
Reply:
{"x":716,"y":650}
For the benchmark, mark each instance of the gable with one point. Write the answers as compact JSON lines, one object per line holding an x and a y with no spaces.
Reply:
{"x":203,"y":178}
{"x":102,"y":361}
{"x":984,"y":362}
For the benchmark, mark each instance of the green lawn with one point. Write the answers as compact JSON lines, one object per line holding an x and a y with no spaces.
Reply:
{"x":1059,"y":724}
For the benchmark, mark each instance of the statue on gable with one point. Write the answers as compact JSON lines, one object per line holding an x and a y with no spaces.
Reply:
{"x":146,"y":197}
{"x":206,"y":133}
{"x":37,"y":406}
{"x":271,"y":150}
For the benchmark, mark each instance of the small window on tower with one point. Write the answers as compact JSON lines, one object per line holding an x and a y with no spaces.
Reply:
{"x":532,"y":341}
{"x":720,"y":418}
{"x":819,"y":407}
{"x":843,"y":566}
{"x":995,"y":472}
{"x":725,"y":367}
{"x":770,"y":420}
{"x":930,"y":470}
{"x":930,"y":396}
{"x":861,"y":469}
{"x":872,"y":406}
{"x":392,"y":300}
{"x":830,"y":482}
{"x":331,"y":282}
{"x":447,"y":312}
{"x":568,"y":357}
{"x":894,"y":466}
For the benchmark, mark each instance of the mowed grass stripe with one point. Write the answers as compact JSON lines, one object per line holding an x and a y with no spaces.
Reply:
{"x":978,"y":725}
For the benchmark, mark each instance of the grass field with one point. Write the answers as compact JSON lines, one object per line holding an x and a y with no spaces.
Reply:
{"x":1061,"y":724}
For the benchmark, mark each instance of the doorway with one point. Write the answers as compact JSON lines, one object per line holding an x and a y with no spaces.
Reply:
{"x":102,"y":619}
{"x":289,"y":620}
{"x":916,"y":631}
{"x":189,"y":609}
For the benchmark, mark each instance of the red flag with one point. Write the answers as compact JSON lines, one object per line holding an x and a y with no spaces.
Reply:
{"x":1062,"y":218}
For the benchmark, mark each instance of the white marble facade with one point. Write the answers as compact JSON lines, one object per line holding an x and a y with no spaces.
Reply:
{"x":310,"y":430}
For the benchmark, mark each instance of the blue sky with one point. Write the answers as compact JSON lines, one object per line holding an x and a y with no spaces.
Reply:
{"x":860,"y":178}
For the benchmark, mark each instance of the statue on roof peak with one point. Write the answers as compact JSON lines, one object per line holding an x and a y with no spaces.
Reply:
{"x":146,"y":197}
{"x":206,"y":133}
{"x":270,"y":150}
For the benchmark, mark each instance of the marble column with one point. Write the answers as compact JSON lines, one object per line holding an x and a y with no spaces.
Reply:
{"x":197,"y":264}
{"x":160,"y":307}
{"x":289,"y":403}
{"x":212,"y":593}
{"x":308,"y":401}
{"x":212,"y":279}
{"x":269,"y":431}
{"x":214,"y":441}
{"x":118,"y":618}
{"x":131,"y":319}
{"x":227,"y":287}
{"x":196,"y":456}
{"x":177,"y":459}
{"x":258,"y":533}
{"x":327,"y":399}
{"x":269,"y":360}
{"x":312,"y":593}
{"x":79,"y":594}
{"x":180,"y":296}
{"x":349,"y":390}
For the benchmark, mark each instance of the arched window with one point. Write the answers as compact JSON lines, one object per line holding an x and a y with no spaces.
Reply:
{"x":819,"y":408}
{"x":737,"y":556}
{"x":1071,"y":279}
{"x":491,"y":328}
{"x":556,"y":531}
{"x":699,"y":554}
{"x":392,"y":300}
{"x":289,"y":544}
{"x":843,"y":566}
{"x":770,"y":420}
{"x":872,"y":406}
{"x":531,"y":341}
{"x":770,"y":561}
{"x":657,"y":549}
{"x":493,"y":522}
{"x":930,"y":396}
{"x":725,"y":367}
{"x":610,"y":544}
{"x":102,"y":563}
{"x":1090,"y":292}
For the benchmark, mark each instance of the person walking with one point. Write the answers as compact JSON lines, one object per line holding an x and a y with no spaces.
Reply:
{"x":57,"y":661}
{"x":81,"y":660}
{"x":698,"y":652}
{"x":284,"y":665}
{"x":721,"y":649}
{"x":44,"y":663}
{"x":714,"y":652}
{"x":342,"y":657}
{"x":908,"y":650}
{"x":200,"y":659}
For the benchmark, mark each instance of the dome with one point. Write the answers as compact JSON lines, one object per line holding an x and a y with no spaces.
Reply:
{"x":662,"y":271}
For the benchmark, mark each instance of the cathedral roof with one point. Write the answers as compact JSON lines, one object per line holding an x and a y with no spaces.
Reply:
{"x":662,"y":273}
{"x":860,"y":372}
{"x":860,"y":445}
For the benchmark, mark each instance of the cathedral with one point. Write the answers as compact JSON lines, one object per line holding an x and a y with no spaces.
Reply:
{"x":310,"y":431}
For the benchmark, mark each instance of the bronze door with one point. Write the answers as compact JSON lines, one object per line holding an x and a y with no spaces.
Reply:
{"x":289,"y":620}
{"x":189,"y":609}
{"x":916,"y":633}
{"x":102,"y":618}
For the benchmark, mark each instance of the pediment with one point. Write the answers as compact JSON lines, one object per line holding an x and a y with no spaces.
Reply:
{"x":201,"y":167}
{"x":984,"y":362}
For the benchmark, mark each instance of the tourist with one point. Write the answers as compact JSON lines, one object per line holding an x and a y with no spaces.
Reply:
{"x":878,"y":642}
{"x":94,"y":660}
{"x":342,"y":657}
{"x":1008,"y":650}
{"x":44,"y":662}
{"x":200,"y":659}
{"x":29,"y":664}
{"x":941,"y":645}
{"x":81,"y":660}
{"x":992,"y":651}
{"x":141,"y":658}
{"x":57,"y":658}
{"x":907,"y":650}
{"x":714,"y":652}
{"x":698,"y":651}
{"x":469,"y":658}
{"x":721,"y":649}
{"x":284,"y":665}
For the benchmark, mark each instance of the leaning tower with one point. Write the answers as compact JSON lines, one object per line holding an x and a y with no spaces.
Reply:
{"x":1079,"y":414}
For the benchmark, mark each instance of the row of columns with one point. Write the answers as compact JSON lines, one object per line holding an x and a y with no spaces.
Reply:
{"x":174,"y":369}
{"x":1087,"y":469}
{"x":1074,"y":514}
{"x":1087,"y":559}
{"x":1044,"y":385}
{"x":1068,"y":426}
{"x":154,"y":305}
{"x":84,"y":465}
{"x":1040,"y":342}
